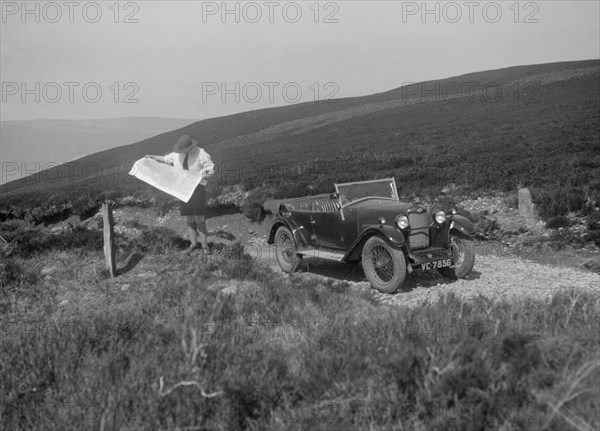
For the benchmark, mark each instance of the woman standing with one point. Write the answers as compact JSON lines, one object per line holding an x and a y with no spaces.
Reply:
{"x":187,"y":155}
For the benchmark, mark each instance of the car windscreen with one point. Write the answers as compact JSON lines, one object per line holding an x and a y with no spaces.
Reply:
{"x":349,"y":192}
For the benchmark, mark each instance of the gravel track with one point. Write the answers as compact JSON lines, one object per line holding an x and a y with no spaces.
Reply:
{"x":501,"y":272}
{"x":497,"y":275}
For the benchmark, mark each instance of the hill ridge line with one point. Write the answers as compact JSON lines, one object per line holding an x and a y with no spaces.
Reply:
{"x":307,"y":124}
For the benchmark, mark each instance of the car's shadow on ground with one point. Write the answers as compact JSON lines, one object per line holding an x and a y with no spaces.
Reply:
{"x":354,"y":274}
{"x":336,"y":270}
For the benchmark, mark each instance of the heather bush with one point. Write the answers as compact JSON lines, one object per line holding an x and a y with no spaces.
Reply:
{"x":594,"y":220}
{"x":558,"y":221}
{"x":593,"y":236}
{"x":253,"y":205}
{"x":559,"y":201}
{"x":15,"y":276}
{"x":288,"y":352}
{"x":27,"y":242}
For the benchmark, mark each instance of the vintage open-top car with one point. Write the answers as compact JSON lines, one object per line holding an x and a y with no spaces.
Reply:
{"x":365,"y":222}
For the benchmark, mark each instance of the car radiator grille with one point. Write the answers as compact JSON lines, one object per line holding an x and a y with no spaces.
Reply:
{"x":419,"y":230}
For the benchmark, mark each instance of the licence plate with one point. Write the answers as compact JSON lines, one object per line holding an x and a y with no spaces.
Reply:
{"x":444,"y":263}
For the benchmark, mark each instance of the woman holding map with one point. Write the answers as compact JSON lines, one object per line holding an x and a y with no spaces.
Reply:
{"x":187,"y":155}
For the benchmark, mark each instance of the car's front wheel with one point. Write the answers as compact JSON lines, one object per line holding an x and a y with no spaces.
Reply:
{"x":463,"y":254}
{"x":286,"y":251}
{"x":384,"y":266}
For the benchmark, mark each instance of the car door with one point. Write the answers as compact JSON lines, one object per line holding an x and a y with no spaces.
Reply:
{"x":328,"y":224}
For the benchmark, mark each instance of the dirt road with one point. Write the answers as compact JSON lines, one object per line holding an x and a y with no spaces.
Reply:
{"x":499,"y":273}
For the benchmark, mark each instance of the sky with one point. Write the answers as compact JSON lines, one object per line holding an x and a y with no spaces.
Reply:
{"x":197,"y":60}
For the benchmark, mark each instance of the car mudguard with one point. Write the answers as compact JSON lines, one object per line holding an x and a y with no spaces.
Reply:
{"x":462,"y":224}
{"x":393,"y":235}
{"x":301,"y":234}
{"x":390,"y":233}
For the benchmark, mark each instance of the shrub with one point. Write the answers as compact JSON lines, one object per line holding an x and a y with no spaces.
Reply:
{"x":558,"y":202}
{"x":594,"y":220}
{"x":253,"y":205}
{"x":593,"y":236}
{"x":16,"y":277}
{"x":85,"y":207}
{"x":13,"y":225}
{"x":11,"y":272}
{"x":29,"y":242}
{"x":558,"y":221}
{"x":560,"y":240}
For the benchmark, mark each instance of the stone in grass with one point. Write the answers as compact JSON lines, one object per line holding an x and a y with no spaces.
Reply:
{"x":229,"y":290}
{"x":49,"y":270}
{"x":527,"y":208}
{"x":234,"y":288}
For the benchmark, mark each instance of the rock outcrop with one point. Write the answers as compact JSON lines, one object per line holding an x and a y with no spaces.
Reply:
{"x":527,"y":208}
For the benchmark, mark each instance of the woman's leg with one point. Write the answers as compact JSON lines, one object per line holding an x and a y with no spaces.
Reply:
{"x":191,"y":222}
{"x":202,"y":231}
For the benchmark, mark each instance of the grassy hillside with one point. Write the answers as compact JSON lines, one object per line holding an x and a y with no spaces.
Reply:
{"x":537,"y":126}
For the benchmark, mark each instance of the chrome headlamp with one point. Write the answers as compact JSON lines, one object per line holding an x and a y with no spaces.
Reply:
{"x":402,"y":222}
{"x":439,"y":217}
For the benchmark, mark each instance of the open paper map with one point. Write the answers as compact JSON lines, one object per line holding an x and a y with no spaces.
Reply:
{"x":166,"y":178}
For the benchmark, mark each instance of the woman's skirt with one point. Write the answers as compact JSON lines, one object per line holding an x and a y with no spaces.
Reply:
{"x":195,"y":206}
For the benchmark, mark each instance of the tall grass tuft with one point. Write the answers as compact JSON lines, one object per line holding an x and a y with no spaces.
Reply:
{"x":228,"y":344}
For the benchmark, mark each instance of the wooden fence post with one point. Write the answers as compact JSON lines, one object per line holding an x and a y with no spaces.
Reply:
{"x":109,"y":243}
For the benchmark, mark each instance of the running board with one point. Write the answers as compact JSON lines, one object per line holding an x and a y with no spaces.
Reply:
{"x":323,"y":254}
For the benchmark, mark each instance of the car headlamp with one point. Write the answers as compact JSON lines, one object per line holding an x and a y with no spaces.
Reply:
{"x":440,"y":217}
{"x":402,"y":222}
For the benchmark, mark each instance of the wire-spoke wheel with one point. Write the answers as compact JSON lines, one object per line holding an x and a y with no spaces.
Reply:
{"x":463,"y":255}
{"x":286,"y":251}
{"x":384,"y":266}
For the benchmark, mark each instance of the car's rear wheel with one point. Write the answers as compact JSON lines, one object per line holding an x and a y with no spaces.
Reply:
{"x":286,"y":251}
{"x":463,"y":255}
{"x":383,"y":265}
